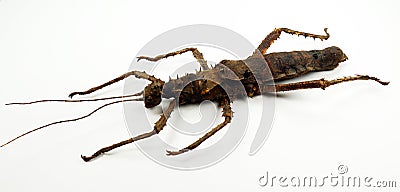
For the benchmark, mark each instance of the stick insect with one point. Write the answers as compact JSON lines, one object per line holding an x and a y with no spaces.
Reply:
{"x":214,"y":83}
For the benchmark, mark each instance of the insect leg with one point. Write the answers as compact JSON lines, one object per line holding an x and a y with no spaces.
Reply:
{"x":138,"y":74}
{"x":321,"y":83}
{"x":226,"y":112}
{"x":274,"y":35}
{"x":196,"y":53}
{"x":160,"y":124}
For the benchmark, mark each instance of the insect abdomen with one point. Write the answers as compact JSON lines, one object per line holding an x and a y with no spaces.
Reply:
{"x":287,"y":65}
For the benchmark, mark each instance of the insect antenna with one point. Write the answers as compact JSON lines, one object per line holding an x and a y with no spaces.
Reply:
{"x":69,"y":120}
{"x":75,"y":100}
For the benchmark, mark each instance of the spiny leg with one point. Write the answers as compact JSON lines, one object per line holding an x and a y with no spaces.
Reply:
{"x":138,"y":74}
{"x":321,"y":83}
{"x":160,"y":124}
{"x":111,"y":147}
{"x":274,"y":35}
{"x":226,"y":112}
{"x":196,"y":53}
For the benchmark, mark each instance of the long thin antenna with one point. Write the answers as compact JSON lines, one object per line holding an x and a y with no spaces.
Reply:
{"x":77,"y":100}
{"x":69,"y":120}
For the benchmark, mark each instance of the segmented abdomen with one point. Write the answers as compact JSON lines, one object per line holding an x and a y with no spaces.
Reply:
{"x":238,"y":78}
{"x":287,"y":65}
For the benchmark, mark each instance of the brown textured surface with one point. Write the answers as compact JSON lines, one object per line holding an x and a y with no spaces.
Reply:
{"x":288,"y":65}
{"x":255,"y":75}
{"x":227,"y":81}
{"x":208,"y":84}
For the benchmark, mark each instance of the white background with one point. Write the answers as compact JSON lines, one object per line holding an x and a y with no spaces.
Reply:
{"x":51,"y":48}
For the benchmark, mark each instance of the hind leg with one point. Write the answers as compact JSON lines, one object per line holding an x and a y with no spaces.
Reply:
{"x":274,"y":35}
{"x":321,"y":83}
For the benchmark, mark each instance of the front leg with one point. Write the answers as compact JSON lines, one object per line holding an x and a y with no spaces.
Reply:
{"x":160,"y":124}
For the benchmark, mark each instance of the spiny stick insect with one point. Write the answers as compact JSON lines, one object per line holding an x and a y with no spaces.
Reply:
{"x":215,"y":84}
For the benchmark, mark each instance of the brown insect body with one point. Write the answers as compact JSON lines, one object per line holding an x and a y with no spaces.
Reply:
{"x":288,"y":65}
{"x":227,"y":81}
{"x":212,"y":84}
